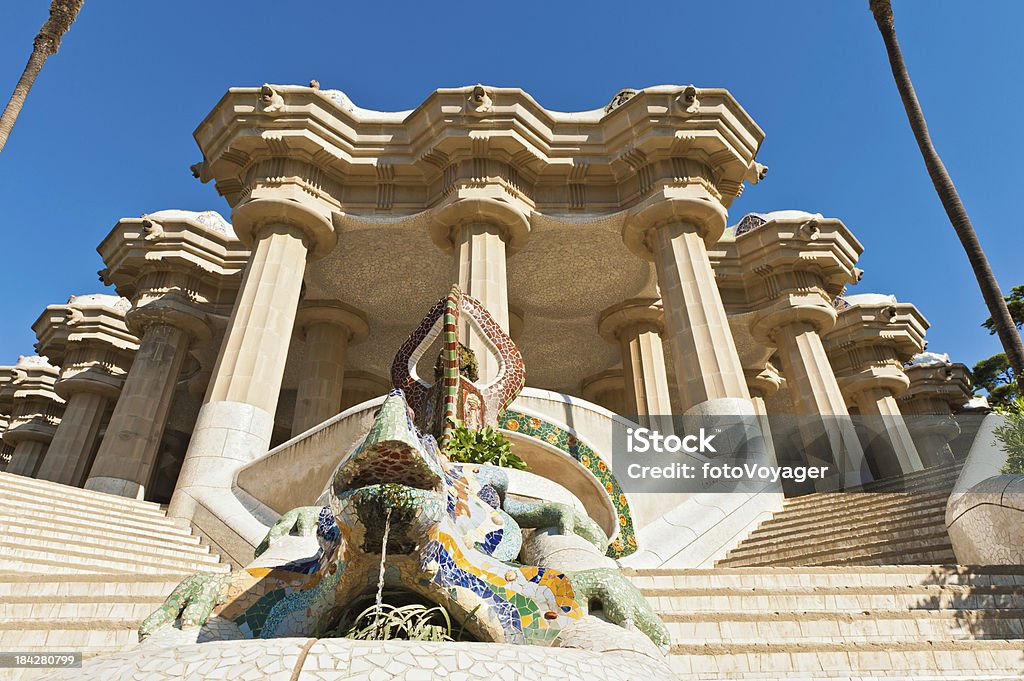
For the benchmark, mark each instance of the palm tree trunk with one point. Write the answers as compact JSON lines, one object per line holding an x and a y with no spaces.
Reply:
{"x":62,"y":15}
{"x":1005,"y":328}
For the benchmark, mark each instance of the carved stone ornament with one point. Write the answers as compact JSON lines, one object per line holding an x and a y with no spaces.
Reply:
{"x":154,"y":230}
{"x":623,"y":96}
{"x":479,"y":100}
{"x":270,"y":99}
{"x":688,"y":100}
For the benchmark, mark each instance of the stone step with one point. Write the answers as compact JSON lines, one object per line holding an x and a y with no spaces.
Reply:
{"x":834,"y":598}
{"x":44,"y":554}
{"x":943,"y":472}
{"x":110,"y":542}
{"x":87,"y":547}
{"x":88,"y":635}
{"x":849,"y":502}
{"x":777,"y":531}
{"x":936,"y":554}
{"x":928,"y":535}
{"x":84,"y":587}
{"x":21,"y":504}
{"x":782,"y":524}
{"x":41,"y":516}
{"x":75,"y":495}
{"x":97,"y":529}
{"x":908,"y":660}
{"x":828,"y":501}
{"x":56,"y":609}
{"x":838,"y":577}
{"x":826,"y":626}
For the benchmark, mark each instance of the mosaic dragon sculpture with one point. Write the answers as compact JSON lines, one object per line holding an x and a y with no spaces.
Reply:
{"x":447,"y":531}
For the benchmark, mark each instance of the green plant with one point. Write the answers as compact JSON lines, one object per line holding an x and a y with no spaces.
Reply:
{"x":1011,"y":434}
{"x":482,"y":446}
{"x":412,"y":622}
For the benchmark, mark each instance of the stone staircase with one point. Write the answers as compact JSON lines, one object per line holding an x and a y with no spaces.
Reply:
{"x":912,"y":622}
{"x":892,"y":522}
{"x":79,"y":570}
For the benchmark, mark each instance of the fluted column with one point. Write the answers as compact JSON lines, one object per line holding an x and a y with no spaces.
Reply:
{"x":328,"y":327}
{"x":481,"y":233}
{"x":763,"y":384}
{"x":882,"y":416}
{"x":607,"y":390}
{"x":636,"y":326}
{"x":236,"y":421}
{"x":128,"y":453}
{"x":674,"y":233}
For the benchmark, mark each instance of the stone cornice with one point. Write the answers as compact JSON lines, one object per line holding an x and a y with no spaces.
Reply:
{"x":332,"y":312}
{"x":899,"y":326}
{"x":188,"y":252}
{"x":644,"y":313}
{"x":950,"y":382}
{"x":362,"y":161}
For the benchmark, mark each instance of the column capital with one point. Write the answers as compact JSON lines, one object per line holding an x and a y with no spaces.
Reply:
{"x":35,"y":413}
{"x":646,"y":313}
{"x":446,"y":220}
{"x":89,"y":339}
{"x":332,"y":312}
{"x":934,"y":376}
{"x":255,"y":216}
{"x":792,"y":308}
{"x":170,"y":310}
{"x":691,"y":208}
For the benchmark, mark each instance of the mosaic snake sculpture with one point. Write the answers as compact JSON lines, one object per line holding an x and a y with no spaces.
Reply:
{"x":449,"y":540}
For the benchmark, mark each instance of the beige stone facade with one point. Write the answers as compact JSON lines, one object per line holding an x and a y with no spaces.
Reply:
{"x":601,"y":240}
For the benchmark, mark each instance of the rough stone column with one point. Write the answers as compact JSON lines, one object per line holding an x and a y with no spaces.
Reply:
{"x":35,"y":413}
{"x":130,"y":447}
{"x":636,"y":326}
{"x":237,"y":418}
{"x":329,"y":327}
{"x":88,"y":337}
{"x":67,"y":460}
{"x":674,"y":232}
{"x":481,"y":233}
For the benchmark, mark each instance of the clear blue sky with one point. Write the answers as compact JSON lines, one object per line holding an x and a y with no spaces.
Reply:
{"x":107,"y":130}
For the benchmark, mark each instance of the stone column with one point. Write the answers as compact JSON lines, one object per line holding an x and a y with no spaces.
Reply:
{"x":35,"y":413}
{"x":481,"y":233}
{"x":636,"y":326}
{"x":674,"y":232}
{"x":237,"y":418}
{"x":763,"y":384}
{"x":361,"y":386}
{"x":874,"y":335}
{"x":5,"y":449}
{"x":328,"y":328}
{"x":128,"y":453}
{"x":606,"y":389}
{"x":67,"y":460}
{"x":88,"y":337}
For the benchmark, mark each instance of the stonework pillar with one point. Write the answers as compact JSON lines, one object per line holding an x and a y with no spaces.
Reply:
{"x":361,"y":386}
{"x":237,"y":418}
{"x":763,"y":384}
{"x":180,"y":269}
{"x":35,"y":413}
{"x":938,"y":389}
{"x":873,"y":336}
{"x":636,"y":326}
{"x":88,"y":337}
{"x":328,"y":328}
{"x":674,"y":232}
{"x":481,"y":233}
{"x":129,"y":450}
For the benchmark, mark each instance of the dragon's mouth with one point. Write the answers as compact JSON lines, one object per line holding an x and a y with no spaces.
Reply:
{"x":389,"y":463}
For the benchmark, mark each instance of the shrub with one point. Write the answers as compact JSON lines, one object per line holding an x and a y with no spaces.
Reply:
{"x":486,"y":446}
{"x":1011,"y":434}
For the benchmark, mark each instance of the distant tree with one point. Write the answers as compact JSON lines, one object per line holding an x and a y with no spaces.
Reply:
{"x":1003,"y":324}
{"x":62,"y":15}
{"x":997,"y":377}
{"x":1015,"y":304}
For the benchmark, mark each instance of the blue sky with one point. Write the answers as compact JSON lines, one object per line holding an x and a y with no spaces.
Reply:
{"x":107,"y":129}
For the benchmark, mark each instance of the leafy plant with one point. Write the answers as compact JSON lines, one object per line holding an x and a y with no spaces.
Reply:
{"x":1011,"y":434}
{"x":412,"y":622}
{"x":486,"y":446}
